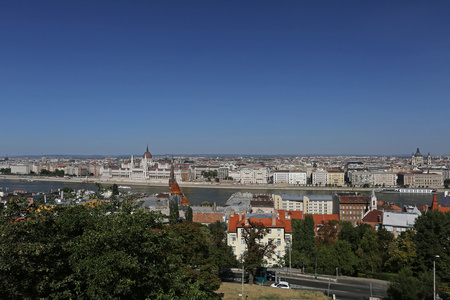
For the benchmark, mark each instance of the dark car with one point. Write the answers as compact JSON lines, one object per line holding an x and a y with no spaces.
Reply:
{"x":271,"y":275}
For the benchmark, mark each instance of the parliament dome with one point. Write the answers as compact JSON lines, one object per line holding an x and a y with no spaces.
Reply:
{"x":147,"y":154}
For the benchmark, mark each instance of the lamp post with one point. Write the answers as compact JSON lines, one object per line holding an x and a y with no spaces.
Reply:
{"x":290,"y":256}
{"x":434,"y":276}
{"x":242,"y":278}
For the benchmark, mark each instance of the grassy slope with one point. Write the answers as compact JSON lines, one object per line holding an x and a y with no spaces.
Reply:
{"x":231,"y":291}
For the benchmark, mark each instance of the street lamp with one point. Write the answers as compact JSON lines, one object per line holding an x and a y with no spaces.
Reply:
{"x":290,"y":257}
{"x":434,"y":276}
{"x":242,"y":278}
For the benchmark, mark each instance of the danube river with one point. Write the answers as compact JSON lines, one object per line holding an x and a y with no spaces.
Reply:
{"x":197,"y":195}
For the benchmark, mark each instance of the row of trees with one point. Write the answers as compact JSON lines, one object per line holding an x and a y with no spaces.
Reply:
{"x":56,"y":172}
{"x":6,"y":171}
{"x":363,"y":251}
{"x":106,"y":253}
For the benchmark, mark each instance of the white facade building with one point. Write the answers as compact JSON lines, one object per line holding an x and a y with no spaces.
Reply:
{"x":20,"y":169}
{"x":297,"y":178}
{"x":320,"y":177}
{"x":318,"y":204}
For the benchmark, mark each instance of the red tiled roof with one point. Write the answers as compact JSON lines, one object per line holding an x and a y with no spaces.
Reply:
{"x":280,"y":222}
{"x":318,"y":219}
{"x":207,"y":218}
{"x":322,"y":219}
{"x":373,"y":217}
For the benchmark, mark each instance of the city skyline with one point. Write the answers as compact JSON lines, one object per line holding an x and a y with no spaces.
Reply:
{"x":325,"y":78}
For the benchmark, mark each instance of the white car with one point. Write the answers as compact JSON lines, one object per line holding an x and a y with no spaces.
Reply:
{"x":281,"y":285}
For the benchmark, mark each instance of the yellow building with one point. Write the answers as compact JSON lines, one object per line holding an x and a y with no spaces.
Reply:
{"x":336,"y":178}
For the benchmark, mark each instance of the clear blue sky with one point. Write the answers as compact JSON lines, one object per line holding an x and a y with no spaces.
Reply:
{"x":251,"y":77}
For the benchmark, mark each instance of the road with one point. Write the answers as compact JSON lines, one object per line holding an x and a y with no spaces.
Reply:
{"x":345,"y":288}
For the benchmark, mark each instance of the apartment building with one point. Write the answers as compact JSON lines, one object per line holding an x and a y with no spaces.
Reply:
{"x":289,"y":177}
{"x":384,"y":178}
{"x":351,"y":206}
{"x":320,"y":177}
{"x":297,"y":178}
{"x":279,"y":227}
{"x":318,"y":204}
{"x":288,"y":202}
{"x":335,"y":178}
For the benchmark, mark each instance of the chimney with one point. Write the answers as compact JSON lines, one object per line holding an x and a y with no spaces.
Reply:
{"x":246,"y":220}
{"x":232,"y":213}
{"x":240,"y":217}
{"x":274,"y":220}
{"x":286,"y":215}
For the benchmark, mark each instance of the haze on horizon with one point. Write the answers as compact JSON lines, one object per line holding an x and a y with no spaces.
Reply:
{"x":261,"y":78}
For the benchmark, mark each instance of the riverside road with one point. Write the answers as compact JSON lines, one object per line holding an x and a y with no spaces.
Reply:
{"x":344,"y":288}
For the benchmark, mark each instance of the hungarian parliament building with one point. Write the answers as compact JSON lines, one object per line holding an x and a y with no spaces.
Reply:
{"x":143,"y":169}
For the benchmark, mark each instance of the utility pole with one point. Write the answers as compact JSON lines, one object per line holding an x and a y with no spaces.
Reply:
{"x":434,"y":276}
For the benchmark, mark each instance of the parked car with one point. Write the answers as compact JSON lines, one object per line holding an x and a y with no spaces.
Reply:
{"x":281,"y":285}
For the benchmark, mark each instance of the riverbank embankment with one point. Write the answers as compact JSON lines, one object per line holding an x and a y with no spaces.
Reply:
{"x":200,"y":184}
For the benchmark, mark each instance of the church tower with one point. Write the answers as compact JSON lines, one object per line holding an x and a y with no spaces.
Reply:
{"x":429,"y":159}
{"x":373,"y":201}
{"x":172,"y":175}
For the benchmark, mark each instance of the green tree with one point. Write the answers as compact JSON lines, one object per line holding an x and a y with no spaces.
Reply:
{"x":115,"y":190}
{"x":189,"y":214}
{"x":368,"y":252}
{"x":256,"y":251}
{"x":174,"y":213}
{"x":385,"y":238}
{"x":400,"y":253}
{"x":346,"y":260}
{"x":79,"y":252}
{"x":6,"y":171}
{"x":221,"y":254}
{"x":350,"y":234}
{"x":431,"y":239}
{"x":194,"y":250}
{"x":303,"y":241}
{"x":408,"y":286}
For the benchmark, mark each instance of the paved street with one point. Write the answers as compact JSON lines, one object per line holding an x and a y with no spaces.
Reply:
{"x":346,"y":288}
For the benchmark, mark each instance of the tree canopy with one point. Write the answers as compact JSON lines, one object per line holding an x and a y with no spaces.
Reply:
{"x":82,"y":252}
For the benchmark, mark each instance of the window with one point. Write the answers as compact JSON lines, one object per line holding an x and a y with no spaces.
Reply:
{"x":270,"y":231}
{"x":279,"y":232}
{"x":233,"y":248}
{"x":278,"y":242}
{"x":242,"y":241}
{"x":233,"y":238}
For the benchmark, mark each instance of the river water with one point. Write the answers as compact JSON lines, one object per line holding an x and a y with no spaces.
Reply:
{"x":197,"y":195}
